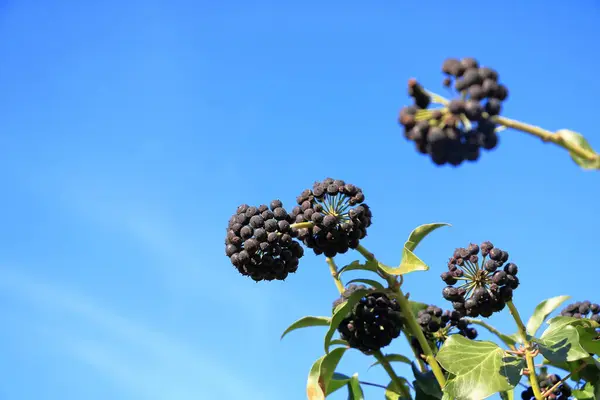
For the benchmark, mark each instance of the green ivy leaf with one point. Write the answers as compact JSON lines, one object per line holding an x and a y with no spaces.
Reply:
{"x":578,"y":140}
{"x":393,"y":392}
{"x":588,"y":392}
{"x":542,"y":311}
{"x":337,"y":382}
{"x":321,"y":374}
{"x":357,"y":265}
{"x":419,"y":233}
{"x":341,"y":311}
{"x":509,"y":395}
{"x":355,"y":392}
{"x":410,"y":262}
{"x":393,"y":358}
{"x":469,"y":360}
{"x":338,"y":342}
{"x":560,"y":341}
{"x":588,"y":339}
{"x":377,"y":285}
{"x":306,"y":322}
{"x":426,"y":383}
{"x":416,"y":307}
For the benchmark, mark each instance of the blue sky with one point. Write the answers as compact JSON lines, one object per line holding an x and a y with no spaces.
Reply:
{"x":130,"y":131}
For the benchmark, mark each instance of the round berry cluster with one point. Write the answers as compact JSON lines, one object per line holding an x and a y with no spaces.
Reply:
{"x":457,"y":131}
{"x":260,"y":242}
{"x":581,"y":309}
{"x":485,"y":286}
{"x":562,"y":392}
{"x":337,"y":215}
{"x":373,"y":323}
{"x":437,"y":325}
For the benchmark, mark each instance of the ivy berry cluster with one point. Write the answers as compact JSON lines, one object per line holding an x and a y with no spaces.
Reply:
{"x":374,"y":321}
{"x":485,"y":286}
{"x":260,"y":242}
{"x":338,"y":215}
{"x":457,"y":131}
{"x":581,"y":309}
{"x":562,"y":392}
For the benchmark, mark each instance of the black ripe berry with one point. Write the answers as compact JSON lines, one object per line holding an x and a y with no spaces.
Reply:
{"x":489,"y":286}
{"x":372,"y":323}
{"x":560,"y":390}
{"x":339,"y":217}
{"x":262,"y":249}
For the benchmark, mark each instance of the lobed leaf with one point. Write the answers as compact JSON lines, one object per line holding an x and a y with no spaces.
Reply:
{"x":561,"y":340}
{"x":469,"y":361}
{"x":578,"y":140}
{"x":306,"y":322}
{"x":542,"y":311}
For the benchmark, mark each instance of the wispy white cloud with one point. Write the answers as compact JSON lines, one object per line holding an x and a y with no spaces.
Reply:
{"x":138,"y":358}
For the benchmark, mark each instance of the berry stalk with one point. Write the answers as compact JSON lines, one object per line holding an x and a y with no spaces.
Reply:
{"x":334,"y":274}
{"x":390,"y":371}
{"x":563,"y":380}
{"x":301,"y":225}
{"x":411,"y":321}
{"x":528,"y":356}
{"x":546,"y":136}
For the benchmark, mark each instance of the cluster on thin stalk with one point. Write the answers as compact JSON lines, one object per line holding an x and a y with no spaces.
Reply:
{"x":482,"y":285}
{"x":338,"y":214}
{"x":547,"y":382}
{"x":582,"y":309}
{"x":456,"y":132}
{"x":260,"y":243}
{"x":372,"y":323}
{"x":438,"y":325}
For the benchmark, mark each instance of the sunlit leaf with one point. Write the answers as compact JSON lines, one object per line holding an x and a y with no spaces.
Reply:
{"x":542,"y":311}
{"x":470,"y":360}
{"x":410,"y":262}
{"x":393,"y":392}
{"x":358,"y":265}
{"x":322,"y":373}
{"x":560,"y":341}
{"x":306,"y":322}
{"x":578,"y":140}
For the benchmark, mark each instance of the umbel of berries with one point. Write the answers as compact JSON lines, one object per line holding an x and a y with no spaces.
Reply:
{"x":562,"y":392}
{"x":336,"y":214}
{"x":437,"y":325}
{"x":582,"y":309}
{"x":373,"y":322}
{"x":457,"y":131}
{"x":479,"y":284}
{"x":259,"y":242}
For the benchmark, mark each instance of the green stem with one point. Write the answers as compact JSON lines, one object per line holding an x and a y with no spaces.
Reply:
{"x":300,"y":225}
{"x":411,"y":321}
{"x":334,"y":274}
{"x":547,"y":136}
{"x":395,"y":378}
{"x":528,"y":356}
